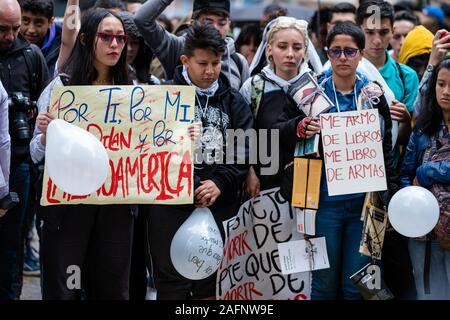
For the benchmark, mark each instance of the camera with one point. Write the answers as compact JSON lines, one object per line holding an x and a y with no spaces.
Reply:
{"x":20,"y":107}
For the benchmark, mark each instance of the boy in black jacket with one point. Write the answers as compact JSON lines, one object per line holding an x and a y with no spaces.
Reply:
{"x":219,"y":108}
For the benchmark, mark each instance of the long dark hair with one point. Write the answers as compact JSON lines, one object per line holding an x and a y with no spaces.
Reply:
{"x":80,"y":64}
{"x":430,"y":118}
{"x":144,"y":57}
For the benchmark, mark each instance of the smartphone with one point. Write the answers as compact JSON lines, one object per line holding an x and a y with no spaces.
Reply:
{"x":444,"y":35}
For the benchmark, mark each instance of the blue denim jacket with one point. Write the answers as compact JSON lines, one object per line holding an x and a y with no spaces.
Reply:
{"x":426,"y":173}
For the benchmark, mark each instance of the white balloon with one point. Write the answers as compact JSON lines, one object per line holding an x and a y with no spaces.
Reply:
{"x":76,"y":160}
{"x":413,"y":211}
{"x":197,"y":247}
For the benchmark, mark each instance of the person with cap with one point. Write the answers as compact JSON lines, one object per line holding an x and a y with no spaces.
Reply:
{"x":168,"y":47}
{"x":416,"y":49}
{"x":434,"y":18}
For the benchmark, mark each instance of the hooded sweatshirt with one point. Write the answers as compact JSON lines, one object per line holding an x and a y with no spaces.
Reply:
{"x":418,"y":41}
{"x":225,"y":109}
{"x":273,"y":100}
{"x":169,"y":47}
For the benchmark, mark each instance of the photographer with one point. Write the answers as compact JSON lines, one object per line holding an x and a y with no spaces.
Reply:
{"x":24,"y":73}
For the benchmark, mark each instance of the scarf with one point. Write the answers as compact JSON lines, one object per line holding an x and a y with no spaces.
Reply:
{"x":284,"y":84}
{"x":210,"y":91}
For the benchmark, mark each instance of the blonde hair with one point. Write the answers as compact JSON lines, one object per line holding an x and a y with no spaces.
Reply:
{"x":285,"y":23}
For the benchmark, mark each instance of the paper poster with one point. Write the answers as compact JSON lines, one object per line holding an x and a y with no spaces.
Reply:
{"x":353,"y":152}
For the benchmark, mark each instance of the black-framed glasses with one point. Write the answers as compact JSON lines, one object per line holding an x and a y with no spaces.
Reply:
{"x":335,"y":53}
{"x":108,"y":38}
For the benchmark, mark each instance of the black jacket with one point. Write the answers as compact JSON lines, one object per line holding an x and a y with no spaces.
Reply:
{"x":271,"y":106}
{"x":227,"y":109}
{"x":23,"y":69}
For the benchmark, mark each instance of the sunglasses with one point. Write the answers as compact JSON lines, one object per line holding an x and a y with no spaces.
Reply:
{"x":106,"y":37}
{"x":335,"y":53}
{"x":287,"y":22}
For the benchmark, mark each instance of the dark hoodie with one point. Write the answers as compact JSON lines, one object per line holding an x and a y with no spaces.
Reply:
{"x":227,"y":109}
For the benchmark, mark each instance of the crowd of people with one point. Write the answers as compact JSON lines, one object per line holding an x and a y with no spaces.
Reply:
{"x":122,"y":249}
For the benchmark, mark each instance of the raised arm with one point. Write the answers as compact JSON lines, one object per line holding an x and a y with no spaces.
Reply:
{"x":71,"y":26}
{"x":166,"y":46}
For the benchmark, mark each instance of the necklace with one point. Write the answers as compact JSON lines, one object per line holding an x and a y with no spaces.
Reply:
{"x":108,"y":81}
{"x":203,"y":109}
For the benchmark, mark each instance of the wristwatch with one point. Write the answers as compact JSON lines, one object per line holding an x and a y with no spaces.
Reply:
{"x":430,"y":68}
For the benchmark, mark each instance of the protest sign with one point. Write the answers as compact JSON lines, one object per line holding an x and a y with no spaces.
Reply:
{"x":353,"y":152}
{"x":250,"y":268}
{"x":144,"y":130}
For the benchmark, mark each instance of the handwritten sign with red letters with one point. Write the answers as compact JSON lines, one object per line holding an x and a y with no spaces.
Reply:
{"x":144,"y":130}
{"x":250,"y":268}
{"x":353,"y":152}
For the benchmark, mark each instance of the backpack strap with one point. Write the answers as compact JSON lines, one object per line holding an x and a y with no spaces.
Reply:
{"x":65,"y":79}
{"x":402,"y":77}
{"x":258,"y":85}
{"x":30,"y":62}
{"x":238,"y":61}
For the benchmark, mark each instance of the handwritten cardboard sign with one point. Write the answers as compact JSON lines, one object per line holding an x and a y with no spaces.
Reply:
{"x":144,"y":130}
{"x":353,"y":152}
{"x":250,"y":268}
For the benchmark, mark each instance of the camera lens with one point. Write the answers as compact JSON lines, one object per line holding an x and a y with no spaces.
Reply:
{"x":19,"y":126}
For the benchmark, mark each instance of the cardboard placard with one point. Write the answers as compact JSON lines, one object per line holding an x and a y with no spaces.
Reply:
{"x":306,"y":184}
{"x":250,"y":268}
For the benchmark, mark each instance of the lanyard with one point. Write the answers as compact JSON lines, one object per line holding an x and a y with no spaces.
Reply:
{"x":336,"y":99}
{"x":203,"y":109}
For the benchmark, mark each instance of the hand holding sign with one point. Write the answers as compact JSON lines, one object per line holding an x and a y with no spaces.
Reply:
{"x":413,"y":211}
{"x":75,"y":159}
{"x":196,"y":248}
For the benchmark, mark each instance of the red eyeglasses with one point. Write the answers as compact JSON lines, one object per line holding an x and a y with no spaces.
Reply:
{"x":107,"y":37}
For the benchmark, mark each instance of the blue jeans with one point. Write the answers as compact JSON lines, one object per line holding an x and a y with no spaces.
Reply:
{"x":11,"y":245}
{"x":439,"y":270}
{"x":340,"y":223}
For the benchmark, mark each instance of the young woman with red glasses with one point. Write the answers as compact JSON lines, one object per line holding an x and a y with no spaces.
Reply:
{"x":97,"y":239}
{"x":338,"y":217}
